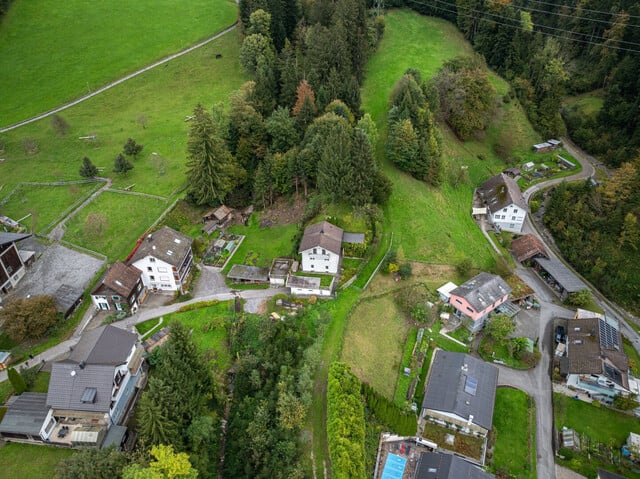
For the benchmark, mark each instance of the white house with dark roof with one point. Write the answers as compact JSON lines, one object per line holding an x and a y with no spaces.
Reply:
{"x":89,"y":393}
{"x":504,"y":200}
{"x":478,"y":297}
{"x":12,"y":260}
{"x":121,"y":289}
{"x":460,"y":391}
{"x":165,"y":259}
{"x":321,"y":248}
{"x":443,"y":465}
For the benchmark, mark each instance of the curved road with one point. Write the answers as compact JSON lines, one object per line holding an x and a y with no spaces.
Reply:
{"x":119,"y":81}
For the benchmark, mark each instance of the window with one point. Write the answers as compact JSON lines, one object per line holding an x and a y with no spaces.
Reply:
{"x":458,"y":301}
{"x":115,"y":297}
{"x":162,"y":269}
{"x":326,"y":267}
{"x":324,"y":252}
{"x":152,"y":259}
{"x":470,"y":310}
{"x":315,"y":251}
{"x":139,"y":286}
{"x":313,"y":266}
{"x":152,"y":278}
{"x":9,"y":269}
{"x":149,"y":268}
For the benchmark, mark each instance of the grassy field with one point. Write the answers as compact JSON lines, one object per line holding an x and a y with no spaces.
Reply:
{"x":150,"y":108}
{"x":261,"y":245}
{"x":45,"y":204}
{"x":438,"y":226}
{"x":599,"y":423}
{"x":28,"y":461}
{"x":515,"y":446}
{"x":209,"y":330}
{"x":106,"y":226}
{"x":373,"y":343}
{"x":588,"y":103}
{"x":90,"y":44}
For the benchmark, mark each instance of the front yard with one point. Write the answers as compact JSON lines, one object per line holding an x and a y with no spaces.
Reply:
{"x":29,"y":461}
{"x":514,"y":434}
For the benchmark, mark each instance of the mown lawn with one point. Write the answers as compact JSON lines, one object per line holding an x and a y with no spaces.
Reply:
{"x":112,"y":222}
{"x":373,"y":343}
{"x":28,"y":461}
{"x":150,"y":108}
{"x":209,"y":330}
{"x":599,"y":423}
{"x":45,"y":204}
{"x":262,"y":245}
{"x":515,"y":439}
{"x":89,"y":44}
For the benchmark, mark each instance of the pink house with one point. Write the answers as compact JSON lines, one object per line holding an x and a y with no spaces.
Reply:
{"x":476,"y":298}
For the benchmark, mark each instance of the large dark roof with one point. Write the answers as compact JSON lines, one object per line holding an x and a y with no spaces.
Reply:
{"x":120,"y":278}
{"x":439,"y":465}
{"x":69,"y":383}
{"x":104,"y":345}
{"x":6,"y":238}
{"x":463,"y":385}
{"x":528,"y":246}
{"x":482,"y":290}
{"x":563,"y":275}
{"x":26,"y":414}
{"x":165,"y":244}
{"x":591,"y":348}
{"x":322,"y":235}
{"x":501,"y":191}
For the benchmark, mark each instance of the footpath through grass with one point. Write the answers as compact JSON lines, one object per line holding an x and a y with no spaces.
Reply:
{"x":151,"y":108}
{"x":52,"y":52}
{"x":515,"y":439}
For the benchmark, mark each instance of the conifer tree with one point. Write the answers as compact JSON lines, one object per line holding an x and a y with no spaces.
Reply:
{"x":88,"y":169}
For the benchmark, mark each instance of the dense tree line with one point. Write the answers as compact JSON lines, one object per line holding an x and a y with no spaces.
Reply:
{"x":272,"y":389}
{"x":597,"y":230}
{"x":297,"y":125}
{"x":386,"y":412}
{"x":548,"y":48}
{"x":345,"y":423}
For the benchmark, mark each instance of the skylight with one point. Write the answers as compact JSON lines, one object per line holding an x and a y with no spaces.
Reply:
{"x":89,"y":395}
{"x":471,"y":385}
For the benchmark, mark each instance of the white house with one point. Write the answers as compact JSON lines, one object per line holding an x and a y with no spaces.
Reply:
{"x":321,"y":248}
{"x":165,"y":259}
{"x":507,"y":207}
{"x":308,"y":286}
{"x":89,"y":394}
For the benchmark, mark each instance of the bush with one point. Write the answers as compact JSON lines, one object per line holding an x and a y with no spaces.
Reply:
{"x":463,"y":268}
{"x":17,"y":382}
{"x":29,"y":376}
{"x":405,"y":271}
{"x":398,"y":421}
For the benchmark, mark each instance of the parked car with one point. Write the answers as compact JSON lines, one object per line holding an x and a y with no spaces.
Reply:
{"x":560,"y":334}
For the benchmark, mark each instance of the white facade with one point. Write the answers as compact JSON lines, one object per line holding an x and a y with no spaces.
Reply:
{"x":510,"y":218}
{"x":159,"y":275}
{"x":320,"y":260}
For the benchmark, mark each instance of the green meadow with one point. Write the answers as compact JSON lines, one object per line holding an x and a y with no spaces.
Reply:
{"x":52,"y":52}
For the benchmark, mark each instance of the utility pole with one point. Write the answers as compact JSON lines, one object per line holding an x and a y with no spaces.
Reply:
{"x":378,"y":7}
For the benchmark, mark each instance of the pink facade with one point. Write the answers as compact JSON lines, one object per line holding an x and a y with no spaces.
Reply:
{"x":462,"y":305}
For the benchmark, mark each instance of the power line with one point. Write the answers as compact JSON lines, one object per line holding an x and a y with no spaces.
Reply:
{"x":562,"y":30}
{"x":606,"y":22}
{"x":518,"y":26}
{"x":602,"y":12}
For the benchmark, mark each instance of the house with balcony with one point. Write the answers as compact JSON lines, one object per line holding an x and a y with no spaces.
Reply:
{"x":13,"y":261}
{"x":321,"y":248}
{"x":505,"y":202}
{"x":120,"y":289}
{"x":597,"y":363}
{"x":478,"y":297}
{"x":90,"y":394}
{"x":165,"y":259}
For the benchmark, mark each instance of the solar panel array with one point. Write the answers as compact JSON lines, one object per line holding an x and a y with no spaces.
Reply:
{"x":471,"y":386}
{"x":608,"y":336}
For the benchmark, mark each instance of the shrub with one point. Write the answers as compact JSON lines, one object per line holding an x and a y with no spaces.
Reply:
{"x":405,"y":271}
{"x":16,"y":381}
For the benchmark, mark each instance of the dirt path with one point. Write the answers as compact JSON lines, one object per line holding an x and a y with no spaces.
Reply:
{"x":119,"y":81}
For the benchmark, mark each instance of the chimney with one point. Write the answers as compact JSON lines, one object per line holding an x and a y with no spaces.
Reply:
{"x":470,"y":420}
{"x":465,"y":368}
{"x":82,"y":364}
{"x":149,"y":237}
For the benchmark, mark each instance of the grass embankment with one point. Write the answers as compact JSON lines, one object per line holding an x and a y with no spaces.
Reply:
{"x":437,"y":227}
{"x":208,"y":327}
{"x":29,"y":461}
{"x":91,"y":44}
{"x":515,"y":439}
{"x":45,"y":204}
{"x":106,"y":224}
{"x":163,"y":97}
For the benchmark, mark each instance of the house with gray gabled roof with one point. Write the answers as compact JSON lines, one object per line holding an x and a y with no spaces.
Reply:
{"x":442,"y":465}
{"x":165,"y":259}
{"x":321,"y":248}
{"x":460,"y":391}
{"x":504,"y":200}
{"x":478,"y":297}
{"x":25,"y":417}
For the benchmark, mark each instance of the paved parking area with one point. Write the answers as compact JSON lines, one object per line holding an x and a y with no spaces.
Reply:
{"x":56,"y":265}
